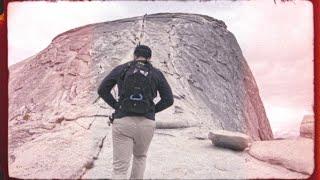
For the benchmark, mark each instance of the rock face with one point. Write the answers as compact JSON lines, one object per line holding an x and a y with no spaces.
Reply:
{"x":294,"y":154}
{"x":55,"y":91}
{"x":307,"y":127}
{"x":228,"y":139}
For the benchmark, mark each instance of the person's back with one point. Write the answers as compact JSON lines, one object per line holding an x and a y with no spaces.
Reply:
{"x":134,"y":117}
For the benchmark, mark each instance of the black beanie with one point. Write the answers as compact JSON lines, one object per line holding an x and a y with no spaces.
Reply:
{"x":143,"y":51}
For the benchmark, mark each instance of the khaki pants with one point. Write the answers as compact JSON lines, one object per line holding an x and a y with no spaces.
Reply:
{"x":131,"y":135}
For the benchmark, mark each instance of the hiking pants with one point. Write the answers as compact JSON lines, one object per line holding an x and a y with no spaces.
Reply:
{"x":131,"y":135}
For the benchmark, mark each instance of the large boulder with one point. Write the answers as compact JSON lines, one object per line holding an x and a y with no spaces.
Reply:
{"x":307,"y":127}
{"x":228,"y":139}
{"x":294,"y":154}
{"x":211,"y":81}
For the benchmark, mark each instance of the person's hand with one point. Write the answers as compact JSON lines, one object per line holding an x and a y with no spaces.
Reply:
{"x":111,"y":118}
{"x":117,"y":105}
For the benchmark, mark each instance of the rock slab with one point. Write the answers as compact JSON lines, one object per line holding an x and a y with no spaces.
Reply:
{"x":294,"y":154}
{"x":228,"y":139}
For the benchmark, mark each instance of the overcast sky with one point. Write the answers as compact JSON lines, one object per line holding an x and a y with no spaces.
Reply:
{"x":276,"y":40}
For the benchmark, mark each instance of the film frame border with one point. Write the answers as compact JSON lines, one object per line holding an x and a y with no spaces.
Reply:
{"x":4,"y":75}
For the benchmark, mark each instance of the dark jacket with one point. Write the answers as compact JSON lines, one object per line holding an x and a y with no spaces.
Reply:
{"x":160,"y":85}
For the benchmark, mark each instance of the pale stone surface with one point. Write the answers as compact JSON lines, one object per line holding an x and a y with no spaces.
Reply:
{"x":294,"y":154}
{"x":67,"y":152}
{"x":53,"y":106}
{"x":228,"y":139}
{"x":174,"y":154}
{"x":307,"y":127}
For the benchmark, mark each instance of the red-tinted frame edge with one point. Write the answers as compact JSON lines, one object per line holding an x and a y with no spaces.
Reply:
{"x":4,"y":94}
{"x":4,"y":75}
{"x":316,"y":21}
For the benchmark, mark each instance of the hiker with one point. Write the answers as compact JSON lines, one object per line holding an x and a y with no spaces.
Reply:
{"x":133,"y":122}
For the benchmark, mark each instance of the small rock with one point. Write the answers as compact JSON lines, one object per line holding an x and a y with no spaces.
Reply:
{"x":26,"y":117}
{"x":57,"y":119}
{"x":178,"y":109}
{"x":228,"y":139}
{"x":89,"y":164}
{"x":307,"y":127}
{"x":200,"y":137}
{"x":12,"y":158}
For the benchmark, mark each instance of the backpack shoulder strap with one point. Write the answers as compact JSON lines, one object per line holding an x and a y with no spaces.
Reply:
{"x":125,"y":70}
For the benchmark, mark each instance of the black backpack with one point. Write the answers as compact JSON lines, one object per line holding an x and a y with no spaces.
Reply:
{"x":136,"y":94}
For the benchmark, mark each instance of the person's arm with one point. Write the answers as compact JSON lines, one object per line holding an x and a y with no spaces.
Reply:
{"x":165,"y":94}
{"x":106,"y":86}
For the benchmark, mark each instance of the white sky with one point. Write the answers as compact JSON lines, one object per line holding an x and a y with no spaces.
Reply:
{"x":276,"y":39}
